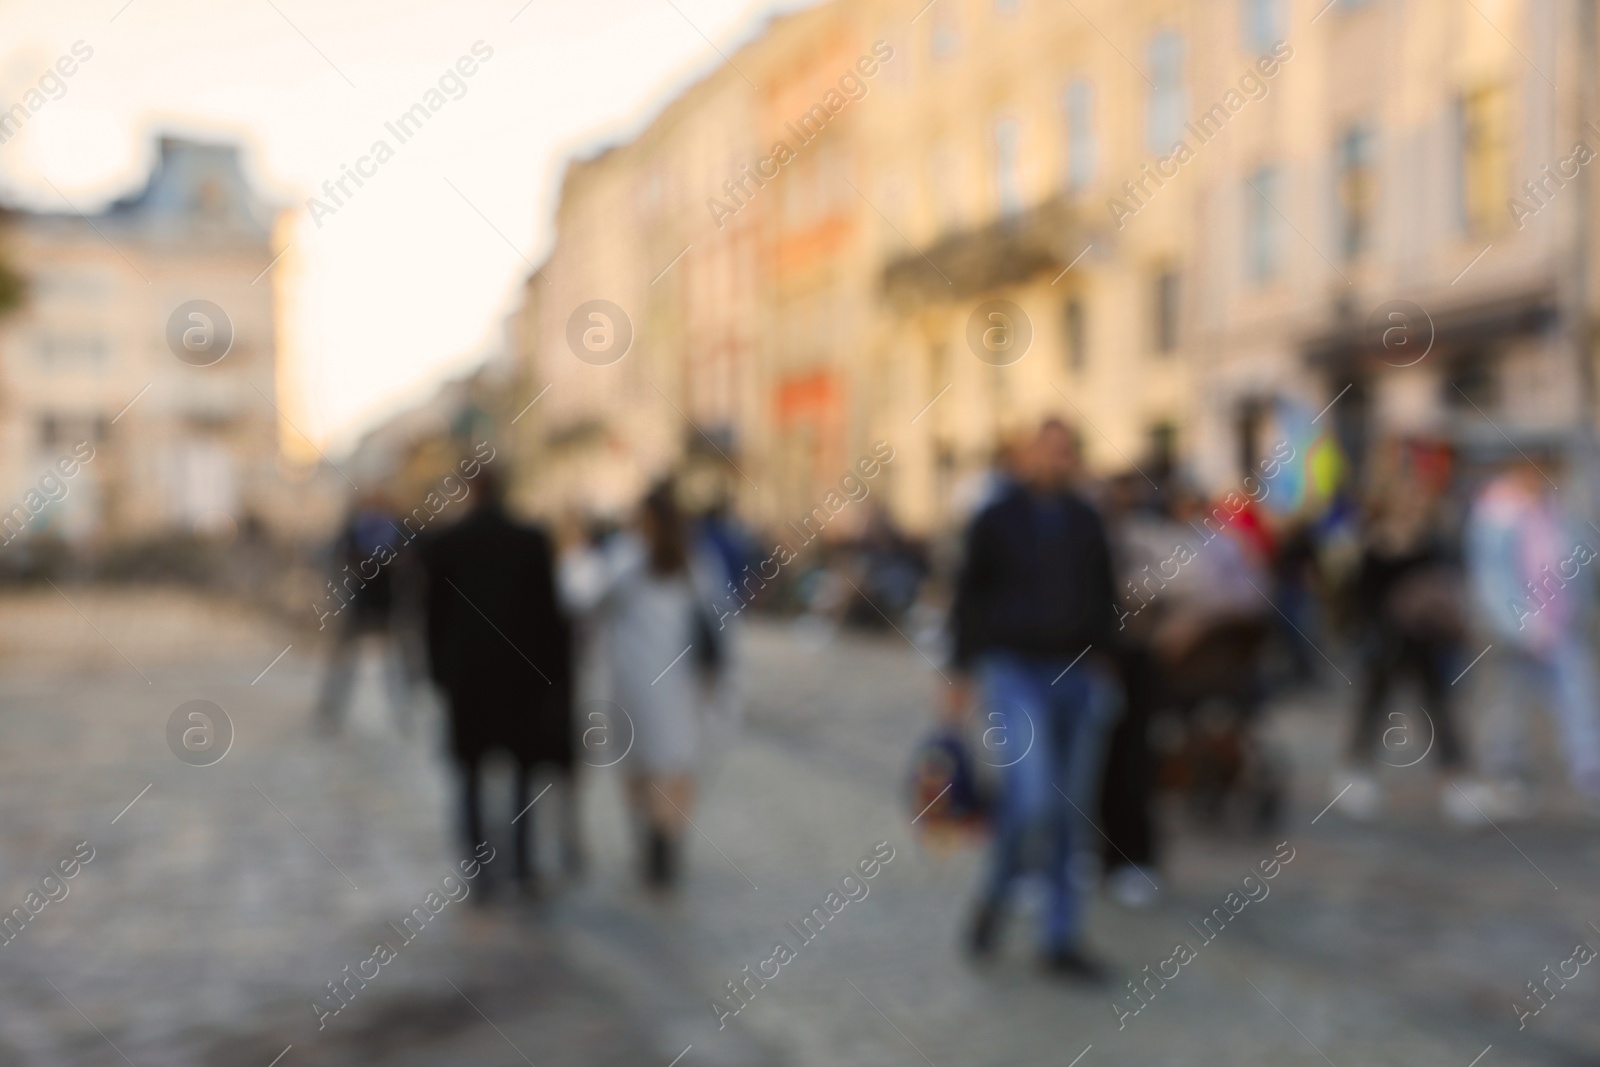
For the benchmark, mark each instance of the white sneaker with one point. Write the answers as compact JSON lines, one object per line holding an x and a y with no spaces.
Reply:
{"x":1468,"y":803}
{"x":1134,"y":887}
{"x":1511,"y":799}
{"x":1361,"y":798}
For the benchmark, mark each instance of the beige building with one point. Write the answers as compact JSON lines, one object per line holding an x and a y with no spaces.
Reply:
{"x":1009,"y":293}
{"x":89,"y":363}
{"x":1202,"y":218}
{"x":641,"y":322}
{"x":1388,"y":261}
{"x":720,"y":276}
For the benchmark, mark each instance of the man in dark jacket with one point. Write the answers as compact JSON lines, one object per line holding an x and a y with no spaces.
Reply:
{"x":501,"y":650}
{"x":1034,"y":597}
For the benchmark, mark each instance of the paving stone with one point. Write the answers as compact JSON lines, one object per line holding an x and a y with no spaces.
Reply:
{"x":218,"y":904}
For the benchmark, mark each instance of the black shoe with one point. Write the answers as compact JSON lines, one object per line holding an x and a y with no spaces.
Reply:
{"x":983,"y":936}
{"x":660,"y":864}
{"x":529,"y":886}
{"x":1076,"y":965}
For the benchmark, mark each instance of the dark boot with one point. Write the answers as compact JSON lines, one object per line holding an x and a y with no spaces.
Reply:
{"x":983,"y":935}
{"x":660,"y":862}
{"x":1075,"y":965}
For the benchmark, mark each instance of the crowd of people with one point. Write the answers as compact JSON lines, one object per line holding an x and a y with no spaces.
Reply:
{"x":1132,"y":631}
{"x":1110,"y":643}
{"x":502,"y":619}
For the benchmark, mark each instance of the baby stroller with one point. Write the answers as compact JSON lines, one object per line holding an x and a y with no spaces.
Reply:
{"x":1207,"y":731}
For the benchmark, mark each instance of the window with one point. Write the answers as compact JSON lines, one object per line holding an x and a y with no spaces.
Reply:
{"x":1356,"y":191}
{"x":200,"y":481}
{"x":1264,"y":236}
{"x":209,"y":199}
{"x":1263,"y":22}
{"x":56,"y":430}
{"x":1249,"y":421}
{"x":1165,"y":308}
{"x":71,"y":350}
{"x":1485,"y":166}
{"x":944,"y":177}
{"x":1079,"y":104}
{"x":651,"y":196}
{"x":1472,"y":380}
{"x":898,"y":70}
{"x":1168,"y":103}
{"x":1163,"y":445}
{"x":893,"y":198}
{"x":798,"y":208}
{"x":1007,"y":166}
{"x":945,"y":33}
{"x":71,"y":285}
{"x":812,"y":192}
{"x":1076,"y":335}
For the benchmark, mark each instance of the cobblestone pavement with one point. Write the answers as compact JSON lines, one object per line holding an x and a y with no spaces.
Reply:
{"x":217,"y":905}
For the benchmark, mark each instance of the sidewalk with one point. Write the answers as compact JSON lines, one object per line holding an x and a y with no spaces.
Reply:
{"x":219,"y":903}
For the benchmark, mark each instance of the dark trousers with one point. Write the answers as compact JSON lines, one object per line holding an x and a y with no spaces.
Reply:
{"x":472,"y":814}
{"x":1128,"y":783}
{"x":1389,"y":657}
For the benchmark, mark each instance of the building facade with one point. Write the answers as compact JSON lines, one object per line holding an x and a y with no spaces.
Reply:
{"x":89,"y":370}
{"x":1175,"y":224}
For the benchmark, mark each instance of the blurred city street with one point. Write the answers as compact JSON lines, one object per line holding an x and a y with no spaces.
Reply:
{"x":799,"y":533}
{"x":220,"y":901}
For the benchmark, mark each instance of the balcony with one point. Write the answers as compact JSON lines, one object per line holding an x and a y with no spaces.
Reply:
{"x":1006,"y":251}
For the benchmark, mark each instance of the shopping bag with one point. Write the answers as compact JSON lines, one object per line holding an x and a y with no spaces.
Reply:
{"x":948,"y":809}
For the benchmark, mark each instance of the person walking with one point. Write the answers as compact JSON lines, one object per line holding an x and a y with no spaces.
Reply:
{"x":1409,"y":592}
{"x":1034,"y":597}
{"x":364,"y":551}
{"x":1142,"y":535}
{"x":652,"y":593}
{"x":1531,"y":573}
{"x":500,"y":648}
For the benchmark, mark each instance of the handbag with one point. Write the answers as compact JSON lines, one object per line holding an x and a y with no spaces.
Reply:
{"x":947,"y":806}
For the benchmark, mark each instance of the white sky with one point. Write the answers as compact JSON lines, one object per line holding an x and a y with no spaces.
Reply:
{"x":406,"y":284}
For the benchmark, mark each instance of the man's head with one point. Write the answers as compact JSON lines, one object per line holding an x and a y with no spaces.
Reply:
{"x":488,"y":491}
{"x":1051,"y":457}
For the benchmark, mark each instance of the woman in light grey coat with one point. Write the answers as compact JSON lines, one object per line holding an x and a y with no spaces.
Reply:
{"x":653,"y":600}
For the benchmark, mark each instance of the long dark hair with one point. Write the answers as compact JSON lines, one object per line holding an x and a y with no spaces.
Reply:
{"x":665,"y":530}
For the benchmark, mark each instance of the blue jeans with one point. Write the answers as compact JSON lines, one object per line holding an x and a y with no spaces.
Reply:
{"x":1044,"y":731}
{"x":1565,"y":679}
